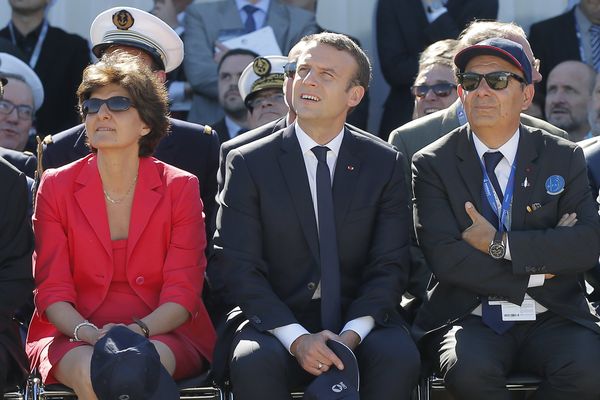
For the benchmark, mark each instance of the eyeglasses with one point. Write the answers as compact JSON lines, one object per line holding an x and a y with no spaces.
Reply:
{"x":24,"y":111}
{"x":496,"y":80}
{"x":290,"y":69}
{"x":439,"y":89}
{"x":117,"y":103}
{"x":259,"y":101}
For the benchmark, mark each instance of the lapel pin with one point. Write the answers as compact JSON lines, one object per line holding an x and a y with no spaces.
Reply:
{"x":526,"y":183}
{"x":350,"y":167}
{"x":555,"y":184}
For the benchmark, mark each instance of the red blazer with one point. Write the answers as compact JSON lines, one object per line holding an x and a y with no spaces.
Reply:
{"x":165,"y":250}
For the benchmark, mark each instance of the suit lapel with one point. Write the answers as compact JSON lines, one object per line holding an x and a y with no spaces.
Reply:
{"x":526,"y":169}
{"x":145,"y":200}
{"x":294,"y":172}
{"x":90,"y":199}
{"x":346,"y":175}
{"x":469,"y":165}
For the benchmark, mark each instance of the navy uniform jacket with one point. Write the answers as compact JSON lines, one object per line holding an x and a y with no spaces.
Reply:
{"x":23,"y":161}
{"x":191,"y":147}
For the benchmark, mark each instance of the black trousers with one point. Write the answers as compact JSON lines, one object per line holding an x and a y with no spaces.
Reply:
{"x":261,"y":368}
{"x":475,"y":361}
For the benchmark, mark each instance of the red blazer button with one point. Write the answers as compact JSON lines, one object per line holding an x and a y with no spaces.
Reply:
{"x":139,"y":280}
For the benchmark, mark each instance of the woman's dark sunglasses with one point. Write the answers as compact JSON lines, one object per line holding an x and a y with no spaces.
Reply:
{"x":117,"y":103}
{"x":439,"y":89}
{"x":496,"y":80}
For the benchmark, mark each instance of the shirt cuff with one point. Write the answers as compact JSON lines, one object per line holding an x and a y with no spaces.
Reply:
{"x":507,"y":252}
{"x":287,"y":334}
{"x":177,"y":91}
{"x":362,"y":326}
{"x":536,"y":280}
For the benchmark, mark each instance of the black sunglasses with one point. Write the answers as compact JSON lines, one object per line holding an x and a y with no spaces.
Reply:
{"x":117,"y":103}
{"x":439,"y":89}
{"x":290,"y":69}
{"x":496,"y":80}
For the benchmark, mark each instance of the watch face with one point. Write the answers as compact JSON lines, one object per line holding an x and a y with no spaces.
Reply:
{"x":497,"y":250}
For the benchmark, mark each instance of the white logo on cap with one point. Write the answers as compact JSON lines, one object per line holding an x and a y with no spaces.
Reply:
{"x":338,"y":387}
{"x":124,"y":397}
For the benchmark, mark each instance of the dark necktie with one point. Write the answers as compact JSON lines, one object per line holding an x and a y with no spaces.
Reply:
{"x":492,"y":315}
{"x":330,"y":266}
{"x":250,"y":24}
{"x":595,"y":45}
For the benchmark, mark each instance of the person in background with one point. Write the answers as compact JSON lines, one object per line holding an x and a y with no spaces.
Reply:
{"x":57,"y":57}
{"x":404,"y":29}
{"x":568,"y":94}
{"x":16,"y":281}
{"x":230,"y":69}
{"x":180,"y":92}
{"x":261,"y":87}
{"x":21,"y":99}
{"x":209,"y":23}
{"x":435,"y":84}
{"x":118,"y":227}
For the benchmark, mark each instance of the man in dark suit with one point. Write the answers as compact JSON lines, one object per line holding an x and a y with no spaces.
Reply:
{"x":567,"y":36}
{"x":507,"y":223}
{"x":56,"y":56}
{"x":278,"y":221}
{"x":16,"y":242}
{"x":191,"y":147}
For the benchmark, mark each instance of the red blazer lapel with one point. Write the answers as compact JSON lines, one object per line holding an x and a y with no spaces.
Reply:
{"x":90,"y":199}
{"x":145,"y":200}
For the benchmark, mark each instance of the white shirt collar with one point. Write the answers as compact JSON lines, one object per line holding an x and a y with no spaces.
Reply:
{"x":307,"y":143}
{"x":508,"y":149}
{"x":232,"y":127}
{"x":262,"y":5}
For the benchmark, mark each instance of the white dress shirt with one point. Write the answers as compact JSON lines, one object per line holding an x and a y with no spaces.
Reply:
{"x":509,"y":151}
{"x":363,"y":325}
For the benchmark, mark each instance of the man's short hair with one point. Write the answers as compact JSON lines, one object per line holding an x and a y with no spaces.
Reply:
{"x":236,"y":52}
{"x":344,"y":43}
{"x":478,"y":31}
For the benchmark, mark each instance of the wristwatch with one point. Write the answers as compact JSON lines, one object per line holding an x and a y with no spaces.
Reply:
{"x":497,"y":247}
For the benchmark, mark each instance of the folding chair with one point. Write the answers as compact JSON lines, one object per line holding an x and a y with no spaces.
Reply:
{"x":515,"y":382}
{"x":197,"y":388}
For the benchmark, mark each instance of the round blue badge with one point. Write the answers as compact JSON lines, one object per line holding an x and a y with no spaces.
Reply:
{"x":555,"y":184}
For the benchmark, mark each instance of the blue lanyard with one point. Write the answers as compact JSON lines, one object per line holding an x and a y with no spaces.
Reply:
{"x":508,"y":194}
{"x":38,"y":46}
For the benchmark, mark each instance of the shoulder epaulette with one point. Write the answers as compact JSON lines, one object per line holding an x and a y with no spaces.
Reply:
{"x":47,"y":140}
{"x":207,"y":130}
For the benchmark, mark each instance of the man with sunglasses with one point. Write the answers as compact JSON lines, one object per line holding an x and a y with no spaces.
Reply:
{"x":191,"y":147}
{"x":435,"y":85}
{"x":22,"y":98}
{"x":507,"y":223}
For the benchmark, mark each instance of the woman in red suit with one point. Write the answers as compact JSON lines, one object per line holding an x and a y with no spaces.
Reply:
{"x":119,"y":237}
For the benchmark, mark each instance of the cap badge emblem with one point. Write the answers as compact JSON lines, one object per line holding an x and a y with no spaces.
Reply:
{"x":123,"y":20}
{"x":261,"y":66}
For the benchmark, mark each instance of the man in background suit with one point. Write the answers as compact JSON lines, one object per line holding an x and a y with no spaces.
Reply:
{"x":191,"y":147}
{"x":507,"y":223}
{"x":209,"y":23}
{"x":278,"y":221}
{"x":565,"y":37}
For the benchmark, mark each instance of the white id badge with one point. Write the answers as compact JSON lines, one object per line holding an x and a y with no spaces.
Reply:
{"x":513,"y":312}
